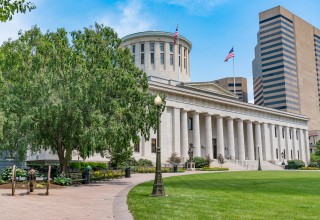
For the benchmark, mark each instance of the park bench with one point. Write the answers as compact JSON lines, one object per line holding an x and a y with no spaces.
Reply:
{"x":76,"y":178}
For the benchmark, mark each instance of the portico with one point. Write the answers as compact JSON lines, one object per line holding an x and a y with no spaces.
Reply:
{"x":213,"y":122}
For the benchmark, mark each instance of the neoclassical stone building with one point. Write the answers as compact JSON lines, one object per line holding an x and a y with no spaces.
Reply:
{"x":207,"y":117}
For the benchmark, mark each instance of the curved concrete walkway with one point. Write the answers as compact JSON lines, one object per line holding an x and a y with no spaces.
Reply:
{"x":105,"y":200}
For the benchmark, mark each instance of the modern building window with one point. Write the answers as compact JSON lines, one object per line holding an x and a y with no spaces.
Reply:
{"x":153,"y":145}
{"x":136,"y":147}
{"x":190,"y":124}
{"x":171,"y":47}
{"x":162,"y":47}
{"x":152,"y":58}
{"x":141,"y":48}
{"x":161,"y":58}
{"x":152,"y":47}
{"x":236,"y":84}
{"x":142,"y":58}
{"x":171,"y":59}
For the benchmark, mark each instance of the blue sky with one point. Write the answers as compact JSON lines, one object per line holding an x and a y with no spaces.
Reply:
{"x":213,"y":26}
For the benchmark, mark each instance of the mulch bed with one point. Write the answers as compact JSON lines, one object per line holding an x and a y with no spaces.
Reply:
{"x":24,"y":185}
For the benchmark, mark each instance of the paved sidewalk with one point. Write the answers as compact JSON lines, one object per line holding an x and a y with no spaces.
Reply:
{"x":105,"y":200}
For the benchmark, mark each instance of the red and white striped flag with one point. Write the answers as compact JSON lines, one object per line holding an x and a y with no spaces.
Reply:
{"x":230,"y":55}
{"x":175,"y":36}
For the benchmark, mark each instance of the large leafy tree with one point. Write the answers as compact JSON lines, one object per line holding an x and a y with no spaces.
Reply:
{"x":77,"y":92}
{"x":8,"y":8}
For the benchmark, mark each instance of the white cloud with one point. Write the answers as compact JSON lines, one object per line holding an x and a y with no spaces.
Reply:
{"x":132,"y":17}
{"x":197,"y":7}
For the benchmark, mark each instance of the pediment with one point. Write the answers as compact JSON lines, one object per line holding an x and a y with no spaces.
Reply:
{"x":211,"y":87}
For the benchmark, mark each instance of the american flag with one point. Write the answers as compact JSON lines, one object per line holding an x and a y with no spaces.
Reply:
{"x":230,"y":55}
{"x":175,"y":36}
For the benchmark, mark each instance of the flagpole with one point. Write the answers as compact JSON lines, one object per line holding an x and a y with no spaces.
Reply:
{"x":179,"y":55}
{"x":234,"y":78}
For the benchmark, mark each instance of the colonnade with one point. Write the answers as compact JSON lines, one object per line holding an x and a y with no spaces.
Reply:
{"x":235,"y":138}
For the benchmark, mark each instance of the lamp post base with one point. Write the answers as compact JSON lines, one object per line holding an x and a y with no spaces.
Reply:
{"x":158,"y":187}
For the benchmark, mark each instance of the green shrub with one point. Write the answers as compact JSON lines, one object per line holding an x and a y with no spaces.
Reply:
{"x":314,"y":157}
{"x":62,"y":180}
{"x":2,"y":181}
{"x":7,"y":173}
{"x":214,"y":169}
{"x":200,"y":162}
{"x":81,"y":165}
{"x":144,"y":163}
{"x":295,"y":164}
{"x":313,"y":164}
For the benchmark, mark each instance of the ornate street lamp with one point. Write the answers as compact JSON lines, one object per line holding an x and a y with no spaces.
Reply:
{"x":259,"y":163}
{"x":158,"y":187}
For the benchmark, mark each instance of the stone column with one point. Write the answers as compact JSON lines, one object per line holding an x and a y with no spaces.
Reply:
{"x":250,"y":141}
{"x":184,"y":135}
{"x":220,"y":140}
{"x":280,"y":138}
{"x":272,"y":147}
{"x":266,"y":142}
{"x":302,"y":146}
{"x":176,"y":131}
{"x":241,"y":140}
{"x":208,"y":127}
{"x":196,"y":135}
{"x":306,"y":138}
{"x":231,"y":138}
{"x":287,"y":143}
{"x":258,"y":140}
{"x":294,"y":144}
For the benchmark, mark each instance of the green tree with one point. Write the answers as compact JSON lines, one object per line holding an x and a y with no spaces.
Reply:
{"x":72,"y":93}
{"x":8,"y":8}
{"x":317,"y":152}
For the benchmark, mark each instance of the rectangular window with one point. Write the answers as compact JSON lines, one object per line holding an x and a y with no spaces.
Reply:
{"x":153,"y":145}
{"x":162,"y":58}
{"x":171,"y":47}
{"x":291,"y":155}
{"x":277,"y":154}
{"x":190,"y":124}
{"x":136,"y":147}
{"x":275,"y":131}
{"x":297,"y":134}
{"x":142,"y":58}
{"x":133,"y":49}
{"x":152,"y":47}
{"x":179,"y":49}
{"x":142,"y":47}
{"x":284,"y":154}
{"x":290,"y":133}
{"x":162,"y":47}
{"x":179,"y":60}
{"x":298,"y":155}
{"x":282,"y":132}
{"x":152,"y":58}
{"x":171,"y":59}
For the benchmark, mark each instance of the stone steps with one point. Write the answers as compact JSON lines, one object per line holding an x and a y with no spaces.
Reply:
{"x":247,"y":165}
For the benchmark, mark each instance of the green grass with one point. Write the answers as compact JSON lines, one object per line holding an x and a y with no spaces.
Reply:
{"x":231,"y":195}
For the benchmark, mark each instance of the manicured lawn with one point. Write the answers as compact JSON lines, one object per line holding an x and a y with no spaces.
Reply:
{"x":231,"y":195}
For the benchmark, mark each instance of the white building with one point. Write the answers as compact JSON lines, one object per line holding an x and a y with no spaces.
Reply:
{"x":206,"y":116}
